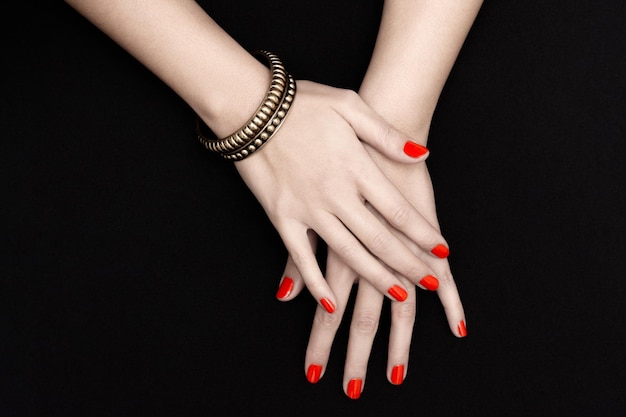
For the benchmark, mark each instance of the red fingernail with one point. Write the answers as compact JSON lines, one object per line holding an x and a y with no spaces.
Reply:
{"x":398,"y":293}
{"x":313,"y":373}
{"x":429,"y":282}
{"x":328,"y":305}
{"x":397,"y":374}
{"x":462,"y":329}
{"x":285,"y":288}
{"x":354,"y":388}
{"x":414,"y":150}
{"x":440,"y":251}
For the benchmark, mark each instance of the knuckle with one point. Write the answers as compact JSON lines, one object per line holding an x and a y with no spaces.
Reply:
{"x":379,"y":242}
{"x":386,"y":134}
{"x":400,"y":215}
{"x":414,"y":274}
{"x":298,"y":259}
{"x":347,"y":251}
{"x":405,"y":311}
{"x":365,"y":324}
{"x":326,"y":320}
{"x":446,"y":279}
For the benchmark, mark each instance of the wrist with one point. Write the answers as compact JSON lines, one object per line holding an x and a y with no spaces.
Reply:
{"x":229,"y":102}
{"x":411,"y":119}
{"x":263,"y":124}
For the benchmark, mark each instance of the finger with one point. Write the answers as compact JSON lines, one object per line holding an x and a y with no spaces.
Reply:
{"x":447,"y":291}
{"x":451,"y":301}
{"x":363,"y":327}
{"x":292,"y":283}
{"x":385,"y":245}
{"x":400,"y":336}
{"x":299,"y":247}
{"x":401,"y":215}
{"x":374,"y":130}
{"x":359,"y":259}
{"x":341,"y":280}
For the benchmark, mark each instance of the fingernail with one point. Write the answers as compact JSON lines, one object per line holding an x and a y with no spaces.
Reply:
{"x":429,"y":282}
{"x":328,"y":305}
{"x":397,"y":374}
{"x":313,"y":373}
{"x":440,"y":251}
{"x":414,"y":150}
{"x":354,"y":388}
{"x":285,"y":288}
{"x":462,"y":329}
{"x":398,"y":293}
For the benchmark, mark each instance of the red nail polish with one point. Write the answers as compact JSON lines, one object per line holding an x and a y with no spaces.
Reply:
{"x":462,"y":329}
{"x":354,"y":388}
{"x":414,"y":150}
{"x":440,"y":251}
{"x":398,"y":293}
{"x":397,"y":374}
{"x":313,"y":373}
{"x":429,"y":282}
{"x":328,"y":305}
{"x":285,"y":288}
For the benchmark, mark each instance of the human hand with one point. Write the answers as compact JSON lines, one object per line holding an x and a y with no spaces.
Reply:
{"x":315,"y":175}
{"x":414,"y":181}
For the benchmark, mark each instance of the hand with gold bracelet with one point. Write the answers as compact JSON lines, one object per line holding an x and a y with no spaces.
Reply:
{"x":313,"y":173}
{"x":417,"y":45}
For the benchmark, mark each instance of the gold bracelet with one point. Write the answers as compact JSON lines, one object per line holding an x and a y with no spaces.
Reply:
{"x":263,"y":124}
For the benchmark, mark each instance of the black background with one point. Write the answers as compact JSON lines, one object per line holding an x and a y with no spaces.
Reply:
{"x":138,"y":273}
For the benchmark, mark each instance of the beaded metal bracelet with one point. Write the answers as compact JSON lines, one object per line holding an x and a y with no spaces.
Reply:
{"x":263,"y":124}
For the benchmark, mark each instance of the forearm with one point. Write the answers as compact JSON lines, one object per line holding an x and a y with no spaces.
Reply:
{"x":417,"y":45}
{"x":185,"y":48}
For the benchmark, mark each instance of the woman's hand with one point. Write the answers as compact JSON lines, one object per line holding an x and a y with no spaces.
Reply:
{"x":415,"y":183}
{"x":416,"y":47}
{"x":315,"y":175}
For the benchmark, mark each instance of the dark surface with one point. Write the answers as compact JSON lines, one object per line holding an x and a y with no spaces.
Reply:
{"x":137,"y":275}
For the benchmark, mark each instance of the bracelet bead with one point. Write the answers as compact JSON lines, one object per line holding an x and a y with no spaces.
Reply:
{"x":266,"y":121}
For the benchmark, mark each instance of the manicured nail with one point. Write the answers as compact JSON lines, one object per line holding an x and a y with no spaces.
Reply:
{"x":414,"y":150}
{"x":285,"y":288}
{"x":328,"y":305}
{"x":429,"y":282}
{"x":354,"y":388}
{"x":440,"y":251}
{"x":397,"y":374}
{"x":398,"y":293}
{"x":313,"y":373}
{"x":462,"y":329}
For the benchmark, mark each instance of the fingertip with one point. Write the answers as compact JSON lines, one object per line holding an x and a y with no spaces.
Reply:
{"x":440,"y":251}
{"x":398,"y":293}
{"x":461,"y":329}
{"x":328,"y":305}
{"x":397,"y":375}
{"x":354,"y":388}
{"x":430,"y":283}
{"x":314,"y":373}
{"x":285,"y":288}
{"x":415,"y":150}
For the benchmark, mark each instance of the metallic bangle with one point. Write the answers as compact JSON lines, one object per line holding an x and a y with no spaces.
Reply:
{"x":263,"y":124}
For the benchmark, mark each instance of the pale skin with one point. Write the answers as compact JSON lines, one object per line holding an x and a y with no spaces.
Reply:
{"x":319,"y":148}
{"x":417,"y":45}
{"x":375,"y":231}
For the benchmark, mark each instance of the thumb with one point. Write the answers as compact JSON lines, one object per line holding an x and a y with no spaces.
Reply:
{"x":371,"y":128}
